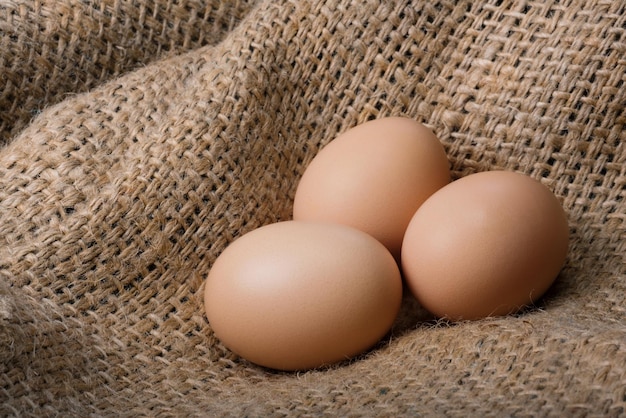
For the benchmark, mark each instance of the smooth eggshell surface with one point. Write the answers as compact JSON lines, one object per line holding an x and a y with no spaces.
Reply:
{"x":299,"y":295}
{"x":373,"y":177}
{"x":485,"y":245}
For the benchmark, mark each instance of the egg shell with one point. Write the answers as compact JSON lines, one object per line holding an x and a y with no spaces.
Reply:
{"x":485,"y":245}
{"x":374,"y":177}
{"x":300,"y":295}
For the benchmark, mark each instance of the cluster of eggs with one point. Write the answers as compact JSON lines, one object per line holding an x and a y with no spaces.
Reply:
{"x":375,"y":211}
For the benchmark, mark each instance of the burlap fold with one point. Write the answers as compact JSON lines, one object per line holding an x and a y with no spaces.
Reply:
{"x":52,"y":49}
{"x":114,"y":202}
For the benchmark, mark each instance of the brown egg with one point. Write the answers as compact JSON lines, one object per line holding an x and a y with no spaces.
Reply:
{"x":299,"y":295}
{"x":373,"y":177}
{"x":485,"y":245}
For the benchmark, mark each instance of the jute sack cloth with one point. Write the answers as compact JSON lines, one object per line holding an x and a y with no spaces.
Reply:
{"x":116,"y":200}
{"x":51,"y":48}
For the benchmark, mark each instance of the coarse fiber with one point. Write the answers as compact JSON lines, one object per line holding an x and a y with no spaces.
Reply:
{"x":139,"y":138}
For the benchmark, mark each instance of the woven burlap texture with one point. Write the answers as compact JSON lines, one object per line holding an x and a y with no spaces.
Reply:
{"x":140,"y":138}
{"x":51,"y":48}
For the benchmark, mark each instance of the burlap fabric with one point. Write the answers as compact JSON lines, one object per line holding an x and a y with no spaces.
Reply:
{"x":141,"y":137}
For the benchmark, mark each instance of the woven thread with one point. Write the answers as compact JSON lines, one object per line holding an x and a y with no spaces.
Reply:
{"x":115,"y":202}
{"x":49,"y":50}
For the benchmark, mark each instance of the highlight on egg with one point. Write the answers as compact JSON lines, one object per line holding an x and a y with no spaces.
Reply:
{"x":374,"y":177}
{"x":487,"y":244}
{"x":296,"y":295}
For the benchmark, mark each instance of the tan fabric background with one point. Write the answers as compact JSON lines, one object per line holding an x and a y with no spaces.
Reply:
{"x":52,"y":49}
{"x":140,"y":138}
